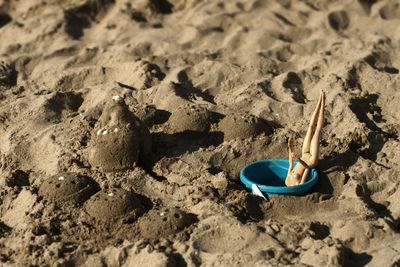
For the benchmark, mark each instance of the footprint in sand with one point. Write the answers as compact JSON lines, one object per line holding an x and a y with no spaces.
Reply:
{"x":8,"y":75}
{"x":114,"y":204}
{"x":68,"y":188}
{"x":284,"y":53}
{"x":243,"y":126}
{"x":339,"y":20}
{"x":4,"y":19}
{"x":17,"y":178}
{"x":390,"y":11}
{"x":293,"y":82}
{"x":227,"y":239}
{"x":162,"y":223}
{"x":120,"y":140}
{"x":381,"y":61}
{"x":152,"y":8}
{"x":80,"y":16}
{"x":191,"y":118}
{"x":366,"y":5}
{"x":59,"y":106}
{"x":287,"y":87}
{"x":150,"y":115}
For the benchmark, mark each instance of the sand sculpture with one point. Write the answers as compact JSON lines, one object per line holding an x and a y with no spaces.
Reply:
{"x":120,"y":140}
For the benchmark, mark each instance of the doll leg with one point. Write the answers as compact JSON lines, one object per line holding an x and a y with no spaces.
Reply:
{"x":310,"y":131}
{"x":304,"y":176}
{"x":314,"y":147}
{"x":291,"y":155}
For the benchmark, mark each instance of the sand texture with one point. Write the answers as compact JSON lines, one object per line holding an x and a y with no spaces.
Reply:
{"x":124,"y":125}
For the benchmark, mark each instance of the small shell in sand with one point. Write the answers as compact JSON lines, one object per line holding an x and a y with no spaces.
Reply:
{"x":117,"y":98}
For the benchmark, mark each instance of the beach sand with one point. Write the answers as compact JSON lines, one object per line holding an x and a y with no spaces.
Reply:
{"x":208,"y":87}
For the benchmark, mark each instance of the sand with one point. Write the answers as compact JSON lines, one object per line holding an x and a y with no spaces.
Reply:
{"x":196,"y":90}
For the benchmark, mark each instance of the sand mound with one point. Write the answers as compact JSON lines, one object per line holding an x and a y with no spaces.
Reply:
{"x":66,"y":188}
{"x":147,"y":75}
{"x":242,"y":126}
{"x":168,"y":97}
{"x":140,"y":74}
{"x":190,"y":118}
{"x":114,"y":204}
{"x":120,"y":140}
{"x":162,"y":223}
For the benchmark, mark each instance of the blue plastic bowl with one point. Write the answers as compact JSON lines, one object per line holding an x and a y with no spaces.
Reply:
{"x":270,"y":174}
